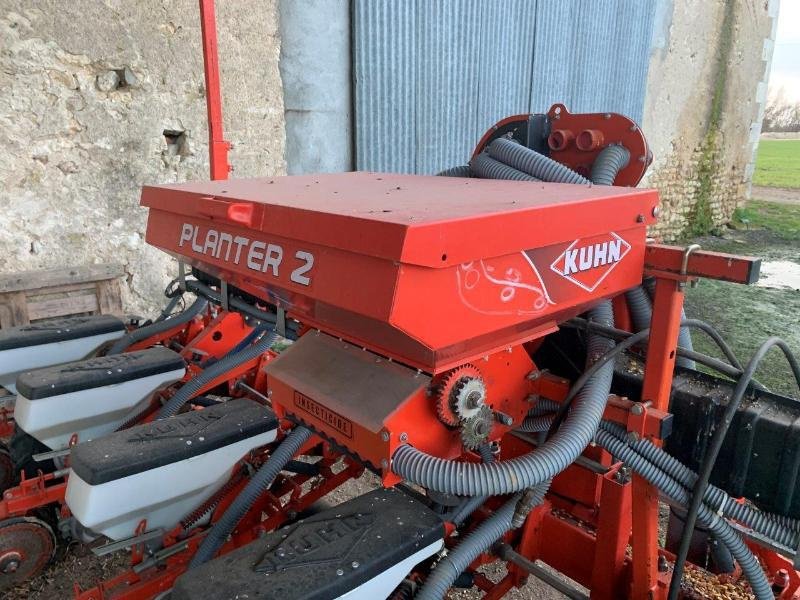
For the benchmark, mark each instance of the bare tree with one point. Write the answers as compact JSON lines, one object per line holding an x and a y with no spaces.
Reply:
{"x":780,"y":114}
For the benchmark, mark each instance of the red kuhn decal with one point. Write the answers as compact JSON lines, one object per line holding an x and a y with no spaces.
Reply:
{"x":587,"y":262}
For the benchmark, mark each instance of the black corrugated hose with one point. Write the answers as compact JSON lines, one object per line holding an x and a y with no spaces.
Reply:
{"x":258,"y":484}
{"x":142,"y":333}
{"x":192,"y":387}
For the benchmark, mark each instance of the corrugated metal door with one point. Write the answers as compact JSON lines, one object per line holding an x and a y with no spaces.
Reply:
{"x":430,"y":76}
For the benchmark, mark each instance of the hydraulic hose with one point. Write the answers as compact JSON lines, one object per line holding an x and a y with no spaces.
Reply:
{"x":474,"y":544}
{"x":598,"y":363}
{"x":167,"y":311}
{"x":257,"y":485}
{"x":608,"y":163}
{"x":461,"y":171}
{"x":485,"y":167}
{"x":621,"y":334}
{"x":710,"y":459}
{"x":718,"y":527}
{"x":540,"y":465}
{"x":142,"y":333}
{"x":192,"y":387}
{"x":531,"y":162}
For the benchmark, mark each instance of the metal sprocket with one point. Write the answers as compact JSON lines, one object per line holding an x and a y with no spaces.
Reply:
{"x":475,"y":430}
{"x":445,"y":400}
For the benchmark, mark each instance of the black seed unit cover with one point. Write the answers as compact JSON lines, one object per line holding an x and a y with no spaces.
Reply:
{"x":321,"y":557}
{"x":97,"y":372}
{"x":58,"y":330}
{"x":170,"y":440}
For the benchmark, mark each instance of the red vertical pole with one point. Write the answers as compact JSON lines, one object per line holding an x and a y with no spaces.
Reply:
{"x":217,"y":145}
{"x":613,"y":533}
{"x":661,"y":349}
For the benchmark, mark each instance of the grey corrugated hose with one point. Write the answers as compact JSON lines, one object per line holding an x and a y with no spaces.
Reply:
{"x":486,"y":167}
{"x":718,"y":527}
{"x":531,"y":162}
{"x":544,"y":463}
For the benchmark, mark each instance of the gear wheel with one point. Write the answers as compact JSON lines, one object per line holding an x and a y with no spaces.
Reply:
{"x":469,"y":397}
{"x":475,"y":430}
{"x":446,"y":394}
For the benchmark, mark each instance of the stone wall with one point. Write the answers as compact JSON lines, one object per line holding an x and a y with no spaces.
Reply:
{"x":99,"y":98}
{"x":706,"y":90}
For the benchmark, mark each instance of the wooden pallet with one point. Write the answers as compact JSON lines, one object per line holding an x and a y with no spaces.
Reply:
{"x":34,"y":295}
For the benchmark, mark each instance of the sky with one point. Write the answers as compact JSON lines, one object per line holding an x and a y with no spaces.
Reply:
{"x":785,"y":73}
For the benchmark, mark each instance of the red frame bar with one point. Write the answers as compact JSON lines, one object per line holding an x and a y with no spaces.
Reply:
{"x":667,"y":261}
{"x":218,"y":146}
{"x":661,"y":350}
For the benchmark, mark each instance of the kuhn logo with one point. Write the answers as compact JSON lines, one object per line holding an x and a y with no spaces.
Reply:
{"x":587,"y":262}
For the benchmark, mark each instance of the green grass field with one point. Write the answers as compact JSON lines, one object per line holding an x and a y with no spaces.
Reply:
{"x":778,"y":164}
{"x":782,"y":220}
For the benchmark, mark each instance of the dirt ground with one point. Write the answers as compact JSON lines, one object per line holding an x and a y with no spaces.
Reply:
{"x":777,"y":194}
{"x":747,"y":315}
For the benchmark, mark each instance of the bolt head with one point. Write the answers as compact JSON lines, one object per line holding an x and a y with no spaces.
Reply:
{"x":656,"y":211}
{"x":404,"y":437}
{"x":385,"y":436}
{"x":637,"y":409}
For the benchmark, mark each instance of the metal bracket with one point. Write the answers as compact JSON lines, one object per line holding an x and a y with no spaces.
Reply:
{"x":42,"y":456}
{"x":128,"y":542}
{"x":280,"y":322}
{"x":685,"y":263}
{"x":223,"y":294}
{"x":182,"y":275}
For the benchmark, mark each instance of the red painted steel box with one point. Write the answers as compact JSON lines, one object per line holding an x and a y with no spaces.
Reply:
{"x":431,"y":271}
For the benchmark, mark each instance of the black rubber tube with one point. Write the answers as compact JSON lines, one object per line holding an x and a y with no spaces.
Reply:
{"x":609,"y":162}
{"x":142,"y":333}
{"x":531,"y":162}
{"x":781,"y":530}
{"x":528,"y":470}
{"x":714,"y":523}
{"x":485,"y":167}
{"x":258,"y":484}
{"x":192,"y":387}
{"x":586,"y":376}
{"x":621,"y":334}
{"x":710,"y":458}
